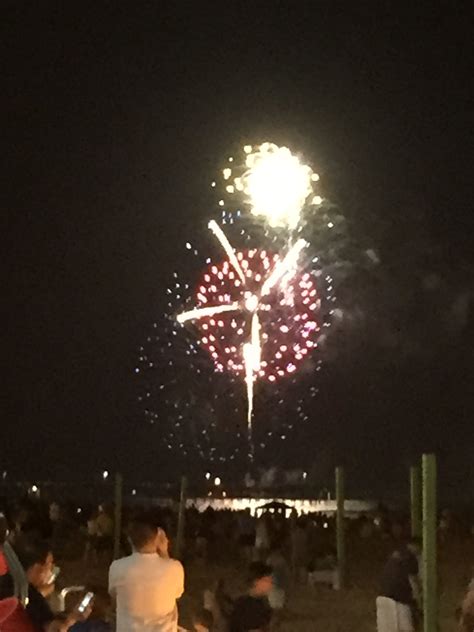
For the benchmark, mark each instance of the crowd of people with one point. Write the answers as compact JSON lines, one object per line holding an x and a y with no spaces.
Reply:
{"x":146,"y":583}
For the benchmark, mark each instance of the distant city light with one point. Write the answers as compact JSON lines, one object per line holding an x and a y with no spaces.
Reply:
{"x":208,"y":476}
{"x":34,"y":489}
{"x":217,"y":481}
{"x":105,"y":475}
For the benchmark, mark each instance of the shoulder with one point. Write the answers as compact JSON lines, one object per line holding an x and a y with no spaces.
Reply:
{"x":118,"y":566}
{"x":170,"y":564}
{"x":175,"y":564}
{"x":175,"y":567}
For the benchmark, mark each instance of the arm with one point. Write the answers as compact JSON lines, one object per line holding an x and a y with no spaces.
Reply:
{"x":113,"y":580}
{"x":179,"y":579}
{"x":416,"y":590}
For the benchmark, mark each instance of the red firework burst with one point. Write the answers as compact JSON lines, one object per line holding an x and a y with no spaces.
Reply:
{"x":287,"y":314}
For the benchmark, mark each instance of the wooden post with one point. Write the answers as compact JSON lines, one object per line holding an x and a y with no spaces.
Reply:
{"x":415,"y":501}
{"x":430,"y":596}
{"x":118,"y":514}
{"x":181,"y":519}
{"x":340,"y":531}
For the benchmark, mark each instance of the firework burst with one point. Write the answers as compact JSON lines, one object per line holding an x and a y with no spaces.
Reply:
{"x":255,"y":312}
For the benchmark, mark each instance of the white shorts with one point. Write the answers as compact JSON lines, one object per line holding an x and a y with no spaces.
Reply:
{"x":277,"y":598}
{"x":393,"y":616}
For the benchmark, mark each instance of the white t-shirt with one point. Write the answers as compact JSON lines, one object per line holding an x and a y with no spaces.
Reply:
{"x":146,"y":587}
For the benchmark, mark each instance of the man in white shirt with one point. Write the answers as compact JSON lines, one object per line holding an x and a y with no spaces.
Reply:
{"x":147,"y":584}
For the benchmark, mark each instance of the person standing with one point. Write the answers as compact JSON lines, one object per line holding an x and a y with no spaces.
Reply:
{"x":147,"y":583}
{"x":397,"y":603}
{"x":281,"y":582}
{"x":262,"y":537}
{"x":300,"y":551}
{"x":104,"y":540}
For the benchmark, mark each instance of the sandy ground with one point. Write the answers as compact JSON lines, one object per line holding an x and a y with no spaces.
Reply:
{"x":321,"y":609}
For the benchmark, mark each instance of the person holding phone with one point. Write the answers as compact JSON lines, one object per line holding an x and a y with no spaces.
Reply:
{"x":99,"y":601}
{"x":147,"y":583}
{"x":36,"y":558}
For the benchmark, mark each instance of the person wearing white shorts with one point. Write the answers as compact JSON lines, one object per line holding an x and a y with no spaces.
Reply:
{"x":393,"y":616}
{"x":399,"y":591}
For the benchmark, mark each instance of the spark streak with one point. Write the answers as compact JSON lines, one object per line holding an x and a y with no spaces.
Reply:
{"x":284,"y":266}
{"x":252,"y":352}
{"x":219,"y":233}
{"x":201,"y":312}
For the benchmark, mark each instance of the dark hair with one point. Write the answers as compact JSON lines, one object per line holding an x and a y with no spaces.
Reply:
{"x":404,"y":543}
{"x":143,"y":528}
{"x":257,"y":570}
{"x":31,"y":551}
{"x":203,"y":617}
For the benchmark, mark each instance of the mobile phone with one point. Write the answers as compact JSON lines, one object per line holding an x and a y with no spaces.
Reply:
{"x":54,"y":574}
{"x":85,"y":603}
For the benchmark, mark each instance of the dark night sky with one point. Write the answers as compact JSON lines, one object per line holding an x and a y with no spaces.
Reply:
{"x":115,"y":116}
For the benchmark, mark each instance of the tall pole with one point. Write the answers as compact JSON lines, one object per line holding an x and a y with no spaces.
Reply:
{"x":340,"y":531}
{"x":430,"y":596}
{"x":118,"y":514}
{"x":415,"y":501}
{"x":181,"y":519}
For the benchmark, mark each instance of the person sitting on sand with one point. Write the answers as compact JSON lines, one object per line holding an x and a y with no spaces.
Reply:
{"x":252,"y":612}
{"x":147,"y":583}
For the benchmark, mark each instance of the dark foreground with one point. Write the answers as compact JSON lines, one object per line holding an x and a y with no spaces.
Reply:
{"x":321,"y":609}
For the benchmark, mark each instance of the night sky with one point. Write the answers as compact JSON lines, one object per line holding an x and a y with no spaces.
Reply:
{"x":116,"y":116}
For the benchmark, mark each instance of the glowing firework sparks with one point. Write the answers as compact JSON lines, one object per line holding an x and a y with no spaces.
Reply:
{"x":266,"y":285}
{"x":276,"y":184}
{"x":283,"y":267}
{"x":219,"y":233}
{"x":256,"y":312}
{"x":206,"y":311}
{"x":252,"y":352}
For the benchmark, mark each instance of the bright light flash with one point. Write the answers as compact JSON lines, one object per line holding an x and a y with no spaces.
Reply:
{"x":251,"y":302}
{"x":276,"y":184}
